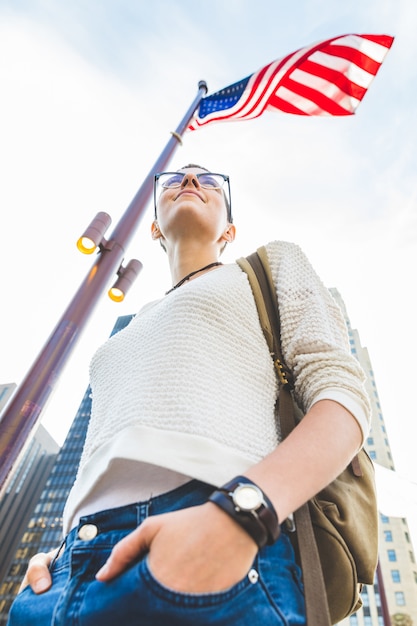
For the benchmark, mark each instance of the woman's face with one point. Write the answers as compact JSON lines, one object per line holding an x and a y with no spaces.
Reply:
{"x":192,"y":208}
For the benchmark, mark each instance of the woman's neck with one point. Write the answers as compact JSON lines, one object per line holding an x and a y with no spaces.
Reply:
{"x":191,"y":275}
{"x":184,"y":262}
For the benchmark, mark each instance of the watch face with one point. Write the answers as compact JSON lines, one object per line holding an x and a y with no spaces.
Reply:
{"x":247,"y":497}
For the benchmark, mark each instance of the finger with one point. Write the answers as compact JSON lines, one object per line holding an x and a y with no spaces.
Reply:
{"x":37,"y":575}
{"x":128,"y":551}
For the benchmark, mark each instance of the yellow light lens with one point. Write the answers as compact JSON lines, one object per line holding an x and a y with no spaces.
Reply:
{"x":116,"y":294}
{"x":86,"y":245}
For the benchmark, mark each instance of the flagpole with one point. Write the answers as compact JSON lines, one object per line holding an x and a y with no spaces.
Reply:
{"x":23,"y":413}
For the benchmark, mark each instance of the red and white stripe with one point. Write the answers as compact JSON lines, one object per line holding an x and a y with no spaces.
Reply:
{"x":328,"y":78}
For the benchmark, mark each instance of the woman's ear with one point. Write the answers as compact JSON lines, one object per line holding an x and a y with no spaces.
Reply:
{"x":155,"y":232}
{"x":230,"y":233}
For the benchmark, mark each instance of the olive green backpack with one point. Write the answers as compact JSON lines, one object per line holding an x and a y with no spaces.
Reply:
{"x":338,"y":528}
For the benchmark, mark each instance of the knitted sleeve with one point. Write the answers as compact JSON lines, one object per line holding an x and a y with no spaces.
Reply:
{"x":314,"y":336}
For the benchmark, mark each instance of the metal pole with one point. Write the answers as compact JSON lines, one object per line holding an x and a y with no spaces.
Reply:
{"x":383,"y":596}
{"x":24,"y":411}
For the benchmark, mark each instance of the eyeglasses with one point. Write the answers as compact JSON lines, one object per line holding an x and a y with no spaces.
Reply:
{"x":207,"y":180}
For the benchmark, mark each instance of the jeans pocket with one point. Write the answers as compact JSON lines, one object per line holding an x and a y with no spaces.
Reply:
{"x":190,"y":599}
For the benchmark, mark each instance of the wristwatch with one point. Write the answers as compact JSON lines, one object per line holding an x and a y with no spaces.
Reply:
{"x":247,"y":504}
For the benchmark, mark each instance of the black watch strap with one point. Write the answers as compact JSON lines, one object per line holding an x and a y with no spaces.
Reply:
{"x":266,"y":513}
{"x":262,"y":524}
{"x":246,"y":520}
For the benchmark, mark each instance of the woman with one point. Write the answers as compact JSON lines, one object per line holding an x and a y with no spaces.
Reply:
{"x":183,"y":427}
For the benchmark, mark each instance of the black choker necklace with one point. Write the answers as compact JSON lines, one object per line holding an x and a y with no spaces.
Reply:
{"x":184,"y":280}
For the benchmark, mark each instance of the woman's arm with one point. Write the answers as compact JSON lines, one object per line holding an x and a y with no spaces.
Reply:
{"x":313,"y":455}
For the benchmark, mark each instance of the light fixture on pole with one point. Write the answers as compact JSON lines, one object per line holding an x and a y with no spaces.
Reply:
{"x":93,"y":236}
{"x":126,"y":276}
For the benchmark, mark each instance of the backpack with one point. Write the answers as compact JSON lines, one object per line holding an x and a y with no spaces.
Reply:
{"x":336,"y":532}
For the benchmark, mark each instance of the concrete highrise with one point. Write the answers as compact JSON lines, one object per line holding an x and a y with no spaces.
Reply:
{"x":18,"y":500}
{"x":396,"y":554}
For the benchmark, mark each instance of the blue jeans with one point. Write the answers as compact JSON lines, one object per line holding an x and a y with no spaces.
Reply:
{"x":270,"y":594}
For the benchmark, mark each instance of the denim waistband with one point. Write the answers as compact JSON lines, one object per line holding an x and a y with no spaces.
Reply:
{"x":111,"y":525}
{"x":128,"y":517}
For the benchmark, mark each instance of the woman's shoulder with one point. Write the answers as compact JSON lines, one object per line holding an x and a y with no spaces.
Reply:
{"x":284,"y":254}
{"x":289,"y":263}
{"x":279,"y":251}
{"x":281,"y":247}
{"x":148,"y":306}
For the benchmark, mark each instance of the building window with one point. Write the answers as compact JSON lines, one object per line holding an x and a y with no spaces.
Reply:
{"x":399,"y":598}
{"x":392,"y":556}
{"x":367,"y":620}
{"x":395,"y":575}
{"x":384,"y":519}
{"x":353,"y":620}
{"x":372,"y":454}
{"x":4,"y":391}
{"x":388,"y":535}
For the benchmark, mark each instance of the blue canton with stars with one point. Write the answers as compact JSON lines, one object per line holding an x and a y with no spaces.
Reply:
{"x":224,"y":99}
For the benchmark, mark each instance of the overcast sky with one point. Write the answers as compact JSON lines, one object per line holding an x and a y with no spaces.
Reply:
{"x":89,"y":94}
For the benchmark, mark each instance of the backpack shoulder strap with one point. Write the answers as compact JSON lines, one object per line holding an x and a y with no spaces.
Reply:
{"x":257,"y":268}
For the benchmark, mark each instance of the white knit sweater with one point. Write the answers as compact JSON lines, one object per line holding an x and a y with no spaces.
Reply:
{"x":189,"y":384}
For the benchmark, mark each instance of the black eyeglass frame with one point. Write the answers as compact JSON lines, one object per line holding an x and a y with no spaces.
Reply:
{"x":227,"y":196}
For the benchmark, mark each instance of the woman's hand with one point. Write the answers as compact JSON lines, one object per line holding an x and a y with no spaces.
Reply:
{"x":196,"y":550}
{"x":37,"y":574}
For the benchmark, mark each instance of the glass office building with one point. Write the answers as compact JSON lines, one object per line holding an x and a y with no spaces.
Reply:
{"x":19,"y":498}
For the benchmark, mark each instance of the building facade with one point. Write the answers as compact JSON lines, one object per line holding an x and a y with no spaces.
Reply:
{"x":6,"y":391}
{"x":43,"y":526}
{"x":17,"y":503}
{"x":396,"y":555}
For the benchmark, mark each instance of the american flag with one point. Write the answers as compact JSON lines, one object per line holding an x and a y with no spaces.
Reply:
{"x":328,"y":78}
